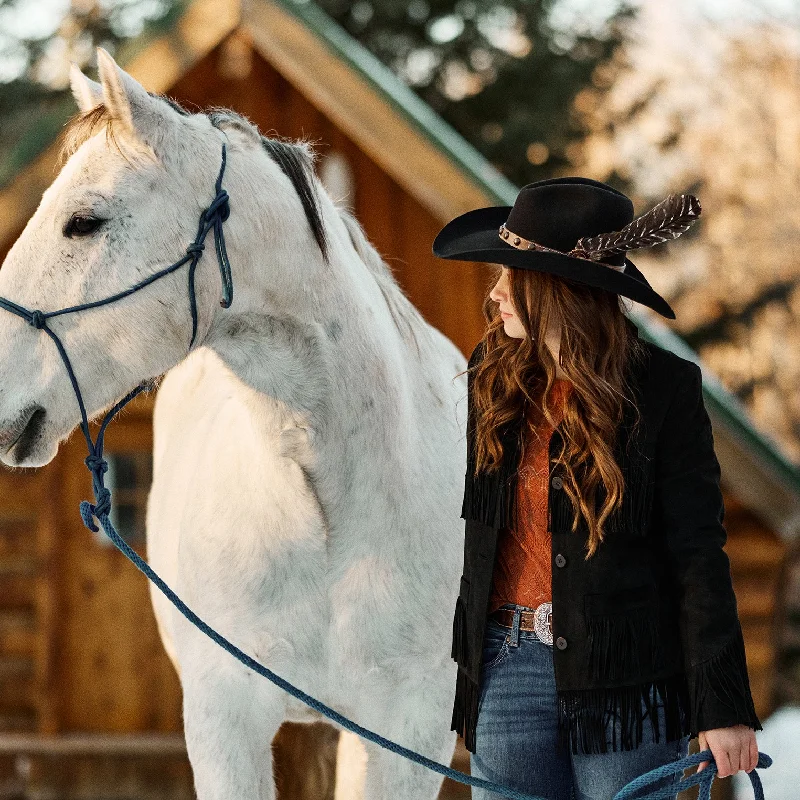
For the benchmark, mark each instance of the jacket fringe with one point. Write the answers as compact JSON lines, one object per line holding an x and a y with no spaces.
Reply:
{"x":465,"y":709}
{"x":490,"y":497}
{"x":721,"y":684}
{"x":585,"y":715}
{"x":633,"y":518}
{"x":459,"y":648}
{"x":622,"y":646}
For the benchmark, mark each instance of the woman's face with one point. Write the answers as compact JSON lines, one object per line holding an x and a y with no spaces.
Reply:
{"x":501,"y":295}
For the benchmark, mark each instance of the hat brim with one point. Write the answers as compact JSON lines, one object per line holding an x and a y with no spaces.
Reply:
{"x":473,"y":236}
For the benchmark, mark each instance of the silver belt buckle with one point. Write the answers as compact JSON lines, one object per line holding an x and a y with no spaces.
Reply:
{"x":543,"y":622}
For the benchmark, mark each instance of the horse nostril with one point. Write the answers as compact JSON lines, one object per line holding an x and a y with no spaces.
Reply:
{"x":23,"y":432}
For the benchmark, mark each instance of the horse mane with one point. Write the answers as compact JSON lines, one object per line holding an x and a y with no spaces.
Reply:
{"x":295,"y":158}
{"x":81,"y":127}
{"x":398,"y":303}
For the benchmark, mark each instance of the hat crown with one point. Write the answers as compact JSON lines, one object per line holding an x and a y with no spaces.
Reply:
{"x":557,"y":212}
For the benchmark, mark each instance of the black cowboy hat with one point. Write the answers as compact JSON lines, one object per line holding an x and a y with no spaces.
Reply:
{"x":577,"y":228}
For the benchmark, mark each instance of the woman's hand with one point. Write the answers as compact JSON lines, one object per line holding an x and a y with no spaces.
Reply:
{"x":733,"y":748}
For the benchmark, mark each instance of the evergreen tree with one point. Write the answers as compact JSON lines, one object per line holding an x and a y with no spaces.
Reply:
{"x":504,"y":74}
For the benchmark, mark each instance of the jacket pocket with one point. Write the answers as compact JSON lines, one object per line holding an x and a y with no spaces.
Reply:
{"x":623,"y":634}
{"x":459,"y":648}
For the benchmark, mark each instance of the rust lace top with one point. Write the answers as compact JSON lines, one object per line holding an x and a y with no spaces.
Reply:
{"x":522,"y":569}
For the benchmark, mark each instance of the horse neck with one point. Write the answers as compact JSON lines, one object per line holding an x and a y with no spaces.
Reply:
{"x":315,"y":336}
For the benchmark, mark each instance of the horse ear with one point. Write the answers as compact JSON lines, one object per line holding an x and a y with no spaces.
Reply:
{"x":145,"y":118}
{"x":87,"y":93}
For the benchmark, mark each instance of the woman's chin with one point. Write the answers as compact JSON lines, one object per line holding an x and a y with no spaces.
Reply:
{"x":512,"y":329}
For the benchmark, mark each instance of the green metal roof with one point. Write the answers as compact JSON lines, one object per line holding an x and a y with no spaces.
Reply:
{"x":719,"y":400}
{"x":404,"y":100}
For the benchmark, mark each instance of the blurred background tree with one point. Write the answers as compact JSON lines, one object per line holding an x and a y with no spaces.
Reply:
{"x":712,"y":106}
{"x":38,"y":39}
{"x":503,"y":73}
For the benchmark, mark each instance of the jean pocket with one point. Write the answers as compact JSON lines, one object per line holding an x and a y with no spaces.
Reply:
{"x":496,"y":639}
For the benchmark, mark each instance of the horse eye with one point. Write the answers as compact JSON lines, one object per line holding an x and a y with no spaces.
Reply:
{"x":81,"y":226}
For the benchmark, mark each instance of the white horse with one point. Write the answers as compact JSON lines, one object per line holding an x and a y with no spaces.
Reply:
{"x":309,"y":448}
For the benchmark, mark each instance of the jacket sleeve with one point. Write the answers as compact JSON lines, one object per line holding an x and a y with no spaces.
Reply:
{"x":689,"y":500}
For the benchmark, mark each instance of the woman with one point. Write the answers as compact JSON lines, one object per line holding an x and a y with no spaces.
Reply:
{"x":596,"y":627}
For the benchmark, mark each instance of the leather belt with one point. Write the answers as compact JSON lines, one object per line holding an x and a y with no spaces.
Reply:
{"x":539,"y":621}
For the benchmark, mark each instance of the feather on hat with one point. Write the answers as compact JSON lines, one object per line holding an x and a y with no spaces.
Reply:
{"x":667,"y":220}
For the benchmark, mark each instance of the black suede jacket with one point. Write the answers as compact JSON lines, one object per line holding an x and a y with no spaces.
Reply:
{"x":654,"y":605}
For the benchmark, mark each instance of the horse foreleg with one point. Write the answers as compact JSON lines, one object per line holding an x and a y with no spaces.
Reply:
{"x":230,"y":719}
{"x":351,"y":767}
{"x":419,"y":710}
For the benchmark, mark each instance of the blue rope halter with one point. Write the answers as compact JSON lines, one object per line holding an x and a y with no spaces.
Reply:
{"x":211,"y":219}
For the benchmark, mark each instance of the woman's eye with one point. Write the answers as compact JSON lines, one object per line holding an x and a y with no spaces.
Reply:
{"x":82,"y":225}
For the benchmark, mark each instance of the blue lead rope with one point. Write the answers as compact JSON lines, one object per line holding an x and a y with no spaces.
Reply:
{"x":212,"y":219}
{"x":704,"y":779}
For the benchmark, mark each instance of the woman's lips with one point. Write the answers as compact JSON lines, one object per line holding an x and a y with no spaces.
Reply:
{"x":504,"y":315}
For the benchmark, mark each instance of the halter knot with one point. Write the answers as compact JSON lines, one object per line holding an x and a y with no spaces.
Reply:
{"x":195,"y":247}
{"x":37,"y":320}
{"x":103,"y":505}
{"x":100,"y":509}
{"x":97,"y":464}
{"x":220,"y":207}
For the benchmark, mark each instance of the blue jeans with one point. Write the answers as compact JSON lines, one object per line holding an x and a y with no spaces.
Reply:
{"x":516,"y":734}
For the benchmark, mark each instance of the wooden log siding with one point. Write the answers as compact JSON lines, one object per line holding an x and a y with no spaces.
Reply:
{"x":27,"y":589}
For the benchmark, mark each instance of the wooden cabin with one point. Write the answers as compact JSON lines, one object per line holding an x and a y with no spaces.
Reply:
{"x":89,"y":703}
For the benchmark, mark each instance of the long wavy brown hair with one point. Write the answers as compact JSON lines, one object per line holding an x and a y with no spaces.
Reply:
{"x":516,"y":375}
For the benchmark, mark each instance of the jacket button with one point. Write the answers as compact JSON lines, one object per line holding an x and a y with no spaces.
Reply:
{"x":557,"y":482}
{"x":561,"y":643}
{"x":560,"y":560}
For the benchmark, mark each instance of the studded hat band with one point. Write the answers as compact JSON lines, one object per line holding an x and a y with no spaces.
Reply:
{"x":521,"y":243}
